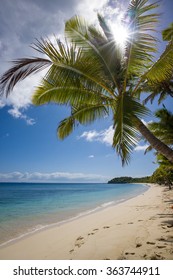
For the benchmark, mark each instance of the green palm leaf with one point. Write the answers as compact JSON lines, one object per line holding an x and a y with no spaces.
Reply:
{"x":84,"y":115}
{"x":126,"y":135}
{"x":93,"y":43}
{"x":68,"y":95}
{"x":162,"y":70}
{"x":167,"y":34}
{"x":22,"y":68}
{"x":141,"y":44}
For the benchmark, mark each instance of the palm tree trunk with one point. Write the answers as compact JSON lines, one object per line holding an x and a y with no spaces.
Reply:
{"x":158,"y":145}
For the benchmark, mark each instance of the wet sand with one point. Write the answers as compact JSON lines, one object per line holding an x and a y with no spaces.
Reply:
{"x":139,"y":228}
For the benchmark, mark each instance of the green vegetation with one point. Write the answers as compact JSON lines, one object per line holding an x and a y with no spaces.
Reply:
{"x":163,"y":176}
{"x":124,"y":180}
{"x":95,"y":76}
{"x":163,"y":129}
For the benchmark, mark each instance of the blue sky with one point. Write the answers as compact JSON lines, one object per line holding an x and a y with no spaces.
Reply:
{"x":29,"y":147}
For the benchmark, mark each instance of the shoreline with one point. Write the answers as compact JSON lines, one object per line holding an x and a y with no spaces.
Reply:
{"x":140,"y":232}
{"x":77,"y":216}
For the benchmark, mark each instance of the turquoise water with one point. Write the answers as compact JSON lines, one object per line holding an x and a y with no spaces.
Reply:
{"x":28,"y":207}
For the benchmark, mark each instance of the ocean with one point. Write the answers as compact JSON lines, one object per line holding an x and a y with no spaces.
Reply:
{"x":29,"y":207}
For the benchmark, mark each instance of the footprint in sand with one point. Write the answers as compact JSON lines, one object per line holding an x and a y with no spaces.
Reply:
{"x":128,"y":253}
{"x":161,"y":247}
{"x":118,"y":224}
{"x":130,"y":223}
{"x":79,"y":241}
{"x":71,"y":251}
{"x":150,"y":243}
{"x":93,"y":232}
{"x":140,"y":220}
{"x":105,"y":227}
{"x":161,"y":239}
{"x":138,"y":245}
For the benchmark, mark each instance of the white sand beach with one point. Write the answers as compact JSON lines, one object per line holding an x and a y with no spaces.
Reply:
{"x":139,"y":228}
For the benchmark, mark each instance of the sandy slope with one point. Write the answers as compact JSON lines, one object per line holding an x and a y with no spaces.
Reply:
{"x":140,"y":228}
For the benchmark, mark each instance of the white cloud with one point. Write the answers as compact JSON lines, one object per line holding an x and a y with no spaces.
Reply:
{"x":21,"y":28}
{"x":2,"y":104}
{"x":91,"y":156}
{"x":104,"y":136}
{"x":18,"y":115}
{"x":141,"y":148}
{"x":20,"y":99}
{"x":89,"y":9}
{"x":51,"y":177}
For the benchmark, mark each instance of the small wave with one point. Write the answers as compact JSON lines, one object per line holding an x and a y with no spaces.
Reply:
{"x":107,"y":204}
{"x":41,"y":227}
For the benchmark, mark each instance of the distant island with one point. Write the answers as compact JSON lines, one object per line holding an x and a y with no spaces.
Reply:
{"x":124,"y":180}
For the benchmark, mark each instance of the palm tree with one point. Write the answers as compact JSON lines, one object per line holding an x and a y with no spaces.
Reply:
{"x":162,"y":129}
{"x":165,"y":87}
{"x":96,"y":76}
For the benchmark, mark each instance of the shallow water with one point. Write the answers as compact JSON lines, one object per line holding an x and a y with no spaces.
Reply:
{"x":27,"y":207}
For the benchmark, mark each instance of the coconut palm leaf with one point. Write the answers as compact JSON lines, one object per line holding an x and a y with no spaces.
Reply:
{"x":167,"y":34}
{"x":141,"y":44}
{"x":68,"y":95}
{"x":160,"y":90}
{"x":162,"y":129}
{"x":93,"y":43}
{"x":126,"y":135}
{"x":86,"y":114}
{"x":162,"y":70}
{"x":22,"y":68}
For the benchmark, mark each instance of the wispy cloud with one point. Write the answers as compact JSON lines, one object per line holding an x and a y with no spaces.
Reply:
{"x":91,"y":156}
{"x":21,"y":27}
{"x":51,"y":177}
{"x":19,"y":115}
{"x":104,"y":136}
{"x":140,"y":148}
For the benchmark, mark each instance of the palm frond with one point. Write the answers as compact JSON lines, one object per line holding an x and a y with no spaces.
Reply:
{"x":163,"y":129}
{"x":85,"y":115}
{"x":162,"y":70}
{"x":66,"y":127}
{"x":141,"y":44}
{"x":22,"y":68}
{"x":148,"y":149}
{"x":126,"y":135}
{"x":68,"y":95}
{"x":160,"y":90}
{"x":167,"y":34}
{"x":73,"y":68}
{"x":93,"y":43}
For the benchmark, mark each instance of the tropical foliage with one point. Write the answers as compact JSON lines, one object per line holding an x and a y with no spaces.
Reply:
{"x":95,"y":76}
{"x":163,"y":129}
{"x":163,"y":175}
{"x":129,"y":180}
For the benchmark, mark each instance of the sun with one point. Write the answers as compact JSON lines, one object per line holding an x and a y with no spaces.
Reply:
{"x":120,"y":34}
